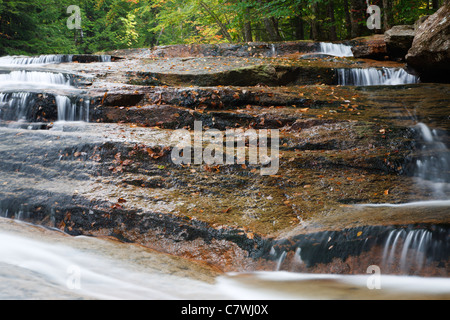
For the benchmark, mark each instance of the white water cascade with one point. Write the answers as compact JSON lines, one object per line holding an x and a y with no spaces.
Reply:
{"x":42,"y":59}
{"x":34,"y":79}
{"x":433,"y":165}
{"x":69,"y":110}
{"x":411,"y":246}
{"x":336,"y":49}
{"x":374,"y":77}
{"x":22,"y":89}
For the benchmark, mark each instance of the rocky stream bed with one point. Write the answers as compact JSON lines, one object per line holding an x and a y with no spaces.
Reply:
{"x":91,"y":155}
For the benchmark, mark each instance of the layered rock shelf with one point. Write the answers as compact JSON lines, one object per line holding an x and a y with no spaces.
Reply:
{"x":341,"y":148}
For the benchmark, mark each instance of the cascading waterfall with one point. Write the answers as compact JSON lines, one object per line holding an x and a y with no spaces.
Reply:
{"x":336,"y":49}
{"x":410,"y":248}
{"x":405,"y":250}
{"x":43,"y":59}
{"x":273,"y":50}
{"x":15,"y":105}
{"x":433,"y":164}
{"x":106,"y":58}
{"x":47,"y":59}
{"x":69,"y":110}
{"x":374,"y":77}
{"x":23,"y":87}
{"x":25,"y":78}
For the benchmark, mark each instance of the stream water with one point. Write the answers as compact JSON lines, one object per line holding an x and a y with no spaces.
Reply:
{"x":38,"y":263}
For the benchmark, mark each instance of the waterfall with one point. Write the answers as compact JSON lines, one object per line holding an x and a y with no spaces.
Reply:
{"x":273,"y":50}
{"x":14,"y":105}
{"x":105,"y":58}
{"x":43,"y":59}
{"x":338,"y":50}
{"x":72,"y":111}
{"x":281,"y":260}
{"x":51,"y":59}
{"x":433,"y":164}
{"x":23,"y":78}
{"x":21,"y":99}
{"x":374,"y":77}
{"x":395,"y":249}
{"x":405,"y":250}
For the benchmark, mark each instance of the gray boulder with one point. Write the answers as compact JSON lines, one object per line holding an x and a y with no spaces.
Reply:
{"x":429,"y":55}
{"x":399,"y":40}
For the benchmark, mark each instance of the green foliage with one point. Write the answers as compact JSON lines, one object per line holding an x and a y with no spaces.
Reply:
{"x":39,"y":26}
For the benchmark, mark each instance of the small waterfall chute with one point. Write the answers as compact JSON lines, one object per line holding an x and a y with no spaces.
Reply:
{"x":34,"y":79}
{"x":407,"y":251}
{"x":42,"y":59}
{"x":395,"y":249}
{"x":14,"y":105}
{"x":374,"y":77}
{"x":336,"y":49}
{"x":433,"y":163}
{"x":30,"y":95}
{"x":52,"y":59}
{"x":69,"y":110}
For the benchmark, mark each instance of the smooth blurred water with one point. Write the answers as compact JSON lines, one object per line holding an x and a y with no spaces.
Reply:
{"x":374,"y":77}
{"x":37,"y":263}
{"x":336,"y":49}
{"x":19,"y":88}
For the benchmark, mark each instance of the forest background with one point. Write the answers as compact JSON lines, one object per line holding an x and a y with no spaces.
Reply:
{"x":40,"y":26}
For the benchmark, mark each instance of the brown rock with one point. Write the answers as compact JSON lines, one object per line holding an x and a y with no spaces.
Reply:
{"x":373,"y":47}
{"x":430,"y":52}
{"x":399,"y":40}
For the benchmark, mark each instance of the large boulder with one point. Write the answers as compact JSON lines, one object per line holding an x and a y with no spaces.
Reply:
{"x":373,"y":47}
{"x":430,"y":51}
{"x":419,"y":22}
{"x":399,"y":40}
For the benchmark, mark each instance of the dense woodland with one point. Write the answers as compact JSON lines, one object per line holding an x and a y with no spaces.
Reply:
{"x":40,"y":26}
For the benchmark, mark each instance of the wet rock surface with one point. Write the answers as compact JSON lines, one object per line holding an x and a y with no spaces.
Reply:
{"x":399,"y":40}
{"x":430,"y":51}
{"x":373,"y":47}
{"x":340,"y":147}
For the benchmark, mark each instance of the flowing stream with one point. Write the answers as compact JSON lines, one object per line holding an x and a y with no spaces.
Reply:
{"x":21,"y":88}
{"x":375,"y":77}
{"x":336,"y":49}
{"x":37,"y":263}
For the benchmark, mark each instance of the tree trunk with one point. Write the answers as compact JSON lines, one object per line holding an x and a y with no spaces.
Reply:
{"x":297,"y":24}
{"x":248,"y":33}
{"x":435,"y":4}
{"x":315,"y":22}
{"x":348,"y":19}
{"x":271,"y":30}
{"x":223,"y":28}
{"x":330,"y":7}
{"x":357,"y":17}
{"x":387,"y":16}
